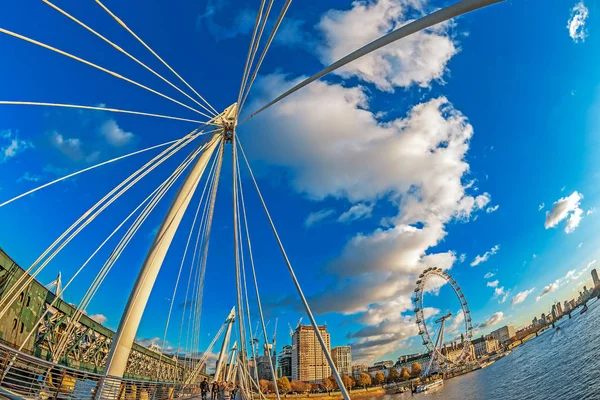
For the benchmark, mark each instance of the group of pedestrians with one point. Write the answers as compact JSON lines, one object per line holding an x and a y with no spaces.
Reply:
{"x":219,"y":390}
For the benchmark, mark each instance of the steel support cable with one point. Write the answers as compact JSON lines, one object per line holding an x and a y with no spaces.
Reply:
{"x":115,"y":110}
{"x":264,"y":52}
{"x":91,"y":64}
{"x":27,"y":275}
{"x":195,"y":266}
{"x":120,"y":22}
{"x":206,"y":238}
{"x":65,"y":287}
{"x":200,"y":201}
{"x":255,"y":49}
{"x":99,"y":279}
{"x":199,"y":278}
{"x":250,"y":47}
{"x":194,"y":373}
{"x":257,"y":291}
{"x":85,"y":170}
{"x":441,"y":15}
{"x":72,"y":18}
{"x":296,"y":283}
{"x":254,"y":357}
{"x":236,"y":247}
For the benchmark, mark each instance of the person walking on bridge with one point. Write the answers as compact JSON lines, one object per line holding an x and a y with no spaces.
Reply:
{"x":214,"y":390}
{"x":204,"y":388}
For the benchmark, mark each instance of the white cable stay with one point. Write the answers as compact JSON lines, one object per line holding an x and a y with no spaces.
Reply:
{"x":116,"y":253}
{"x":91,"y":64}
{"x":255,"y":280}
{"x":264,"y":52}
{"x":97,"y":108}
{"x":89,"y":215}
{"x":296,"y":283}
{"x":86,"y":170}
{"x":250,"y":47}
{"x":120,"y":22}
{"x":441,"y":15}
{"x":72,"y":18}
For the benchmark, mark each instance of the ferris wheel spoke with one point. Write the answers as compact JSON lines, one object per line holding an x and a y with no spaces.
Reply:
{"x":91,"y":64}
{"x":439,"y":16}
{"x":264,"y":52}
{"x":72,"y":18}
{"x":120,"y":22}
{"x":97,"y":108}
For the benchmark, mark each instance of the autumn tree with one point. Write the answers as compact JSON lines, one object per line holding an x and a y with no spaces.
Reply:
{"x":415,"y":369}
{"x":364,"y":380}
{"x":334,"y":382}
{"x":264,"y":385}
{"x":308,"y":387}
{"x":392,"y":375}
{"x":283,"y":384}
{"x":404,"y":374}
{"x":328,"y":384}
{"x":379,"y":378}
{"x":348,"y":382}
{"x":297,"y":386}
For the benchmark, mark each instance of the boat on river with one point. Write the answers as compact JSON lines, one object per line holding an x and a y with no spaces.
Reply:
{"x":430,"y":386}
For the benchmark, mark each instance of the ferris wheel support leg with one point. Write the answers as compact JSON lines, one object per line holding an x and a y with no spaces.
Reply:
{"x":128,"y":326}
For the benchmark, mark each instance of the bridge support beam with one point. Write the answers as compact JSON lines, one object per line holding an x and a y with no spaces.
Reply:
{"x":128,"y":326}
{"x":223,"y":352}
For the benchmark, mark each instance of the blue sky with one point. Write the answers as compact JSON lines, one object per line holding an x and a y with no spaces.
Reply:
{"x":445,"y":144}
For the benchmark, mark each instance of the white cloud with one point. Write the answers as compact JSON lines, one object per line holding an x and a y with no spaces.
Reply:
{"x":27,"y":177}
{"x":492,"y":209}
{"x":72,"y":148}
{"x":114,"y":134}
{"x":238,"y":22}
{"x":548,"y":289}
{"x":489,"y":275}
{"x":12,"y":145}
{"x":590,"y":211}
{"x":579,"y":245}
{"x":565,"y":208}
{"x":416,"y":163}
{"x":485,"y":256}
{"x":357,"y":211}
{"x":417,"y":59}
{"x":462,"y":258}
{"x":576,"y":23}
{"x":493,"y":283}
{"x":501,"y":294}
{"x":99,"y":318}
{"x":541,"y":206}
{"x":521,"y":296}
{"x":496,"y":318}
{"x":317,"y":216}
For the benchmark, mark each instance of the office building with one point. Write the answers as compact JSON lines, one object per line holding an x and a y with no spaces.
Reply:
{"x":309,"y":363}
{"x":342,"y":358}
{"x":559,"y":310}
{"x":485,"y":346}
{"x":504,"y":333}
{"x":595,"y":278}
{"x":357,"y":369}
{"x":285,"y":362}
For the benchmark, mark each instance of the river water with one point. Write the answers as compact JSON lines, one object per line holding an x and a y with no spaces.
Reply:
{"x":559,"y":364}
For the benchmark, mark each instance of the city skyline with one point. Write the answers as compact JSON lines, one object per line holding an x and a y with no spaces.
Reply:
{"x":455,"y":173}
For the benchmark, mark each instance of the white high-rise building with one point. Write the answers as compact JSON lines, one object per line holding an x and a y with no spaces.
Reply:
{"x":309,"y":363}
{"x":342,"y":358}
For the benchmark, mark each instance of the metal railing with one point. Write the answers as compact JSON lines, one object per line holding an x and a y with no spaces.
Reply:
{"x":23,"y":376}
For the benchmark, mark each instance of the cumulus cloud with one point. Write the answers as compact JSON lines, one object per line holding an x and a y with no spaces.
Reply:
{"x":114,"y":134}
{"x":357,"y":211}
{"x":11,"y":145}
{"x":416,"y":162}
{"x":576,"y":23}
{"x":493,"y":283}
{"x":521,"y":296}
{"x":565,"y":208}
{"x":485,"y":256}
{"x":501,"y":294}
{"x":72,"y":148}
{"x":493,"y":320}
{"x":417,"y":59}
{"x":492,"y":209}
{"x":548,"y":289}
{"x":317,"y":216}
{"x":99,"y":318}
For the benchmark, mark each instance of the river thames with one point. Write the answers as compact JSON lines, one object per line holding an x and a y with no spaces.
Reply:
{"x":559,"y":364}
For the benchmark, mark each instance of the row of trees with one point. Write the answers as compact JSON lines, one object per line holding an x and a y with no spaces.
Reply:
{"x":328,"y":384}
